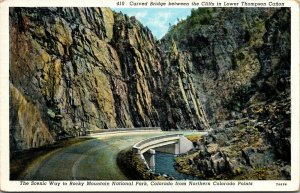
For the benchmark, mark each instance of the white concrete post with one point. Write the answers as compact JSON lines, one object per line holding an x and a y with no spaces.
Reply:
{"x":152,"y":159}
{"x":177,"y":148}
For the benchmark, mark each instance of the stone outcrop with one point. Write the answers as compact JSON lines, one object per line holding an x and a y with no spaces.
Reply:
{"x":240,"y":150}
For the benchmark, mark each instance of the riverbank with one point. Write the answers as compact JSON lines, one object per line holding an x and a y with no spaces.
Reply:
{"x":254,"y":147}
{"x":133,"y":167}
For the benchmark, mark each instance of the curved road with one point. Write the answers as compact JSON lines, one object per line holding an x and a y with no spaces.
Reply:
{"x":93,"y":159}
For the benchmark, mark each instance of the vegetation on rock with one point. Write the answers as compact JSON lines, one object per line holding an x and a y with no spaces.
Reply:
{"x":243,"y":77}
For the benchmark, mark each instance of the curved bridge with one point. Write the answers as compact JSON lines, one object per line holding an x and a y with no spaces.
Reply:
{"x":173,"y":143}
{"x":99,"y":150}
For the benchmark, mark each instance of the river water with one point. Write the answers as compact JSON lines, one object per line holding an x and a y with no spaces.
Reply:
{"x":164,"y":164}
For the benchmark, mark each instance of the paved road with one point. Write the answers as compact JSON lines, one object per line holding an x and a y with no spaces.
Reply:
{"x":94,"y":159}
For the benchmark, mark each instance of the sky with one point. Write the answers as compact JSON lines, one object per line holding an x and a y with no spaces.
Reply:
{"x":157,"y":19}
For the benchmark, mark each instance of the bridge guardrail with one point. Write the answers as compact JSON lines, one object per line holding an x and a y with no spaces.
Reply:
{"x":138,"y":146}
{"x":121,"y":129}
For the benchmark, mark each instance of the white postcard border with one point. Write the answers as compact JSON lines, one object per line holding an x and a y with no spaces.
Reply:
{"x":259,"y":185}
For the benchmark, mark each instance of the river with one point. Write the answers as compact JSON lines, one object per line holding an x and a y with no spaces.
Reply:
{"x":164,"y":164}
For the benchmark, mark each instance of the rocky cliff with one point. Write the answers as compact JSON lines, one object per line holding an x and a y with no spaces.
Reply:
{"x":79,"y":69}
{"x":222,"y":51}
{"x":241,"y":71}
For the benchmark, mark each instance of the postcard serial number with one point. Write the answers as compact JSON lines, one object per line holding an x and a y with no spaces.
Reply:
{"x":281,"y":184}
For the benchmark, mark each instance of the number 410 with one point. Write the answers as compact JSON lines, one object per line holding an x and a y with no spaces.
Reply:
{"x":120,"y":3}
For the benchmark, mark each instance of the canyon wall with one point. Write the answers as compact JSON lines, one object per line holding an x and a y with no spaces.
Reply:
{"x":78,"y":69}
{"x":234,"y":56}
{"x":241,"y":61}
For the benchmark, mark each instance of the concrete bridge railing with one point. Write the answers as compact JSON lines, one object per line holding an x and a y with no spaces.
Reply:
{"x":173,"y":144}
{"x":152,"y":142}
{"x":89,"y":132}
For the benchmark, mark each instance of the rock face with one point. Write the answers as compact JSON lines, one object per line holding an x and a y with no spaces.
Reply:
{"x":243,"y":76}
{"x":221,"y":54}
{"x":27,"y":127}
{"x":183,"y":108}
{"x":86,"y":69}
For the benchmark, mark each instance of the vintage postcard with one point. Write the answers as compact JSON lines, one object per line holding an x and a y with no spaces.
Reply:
{"x":149,"y":95}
